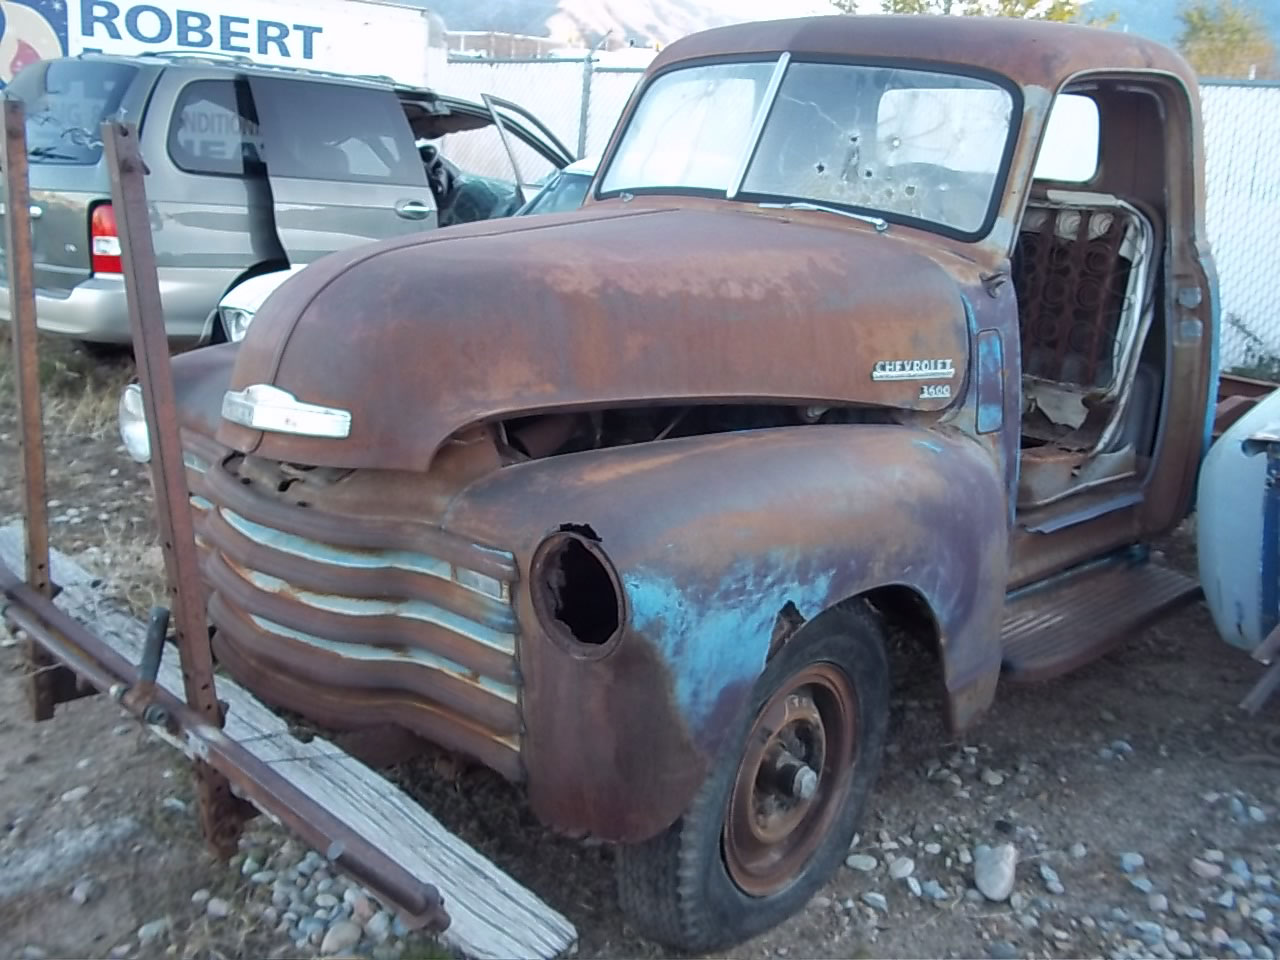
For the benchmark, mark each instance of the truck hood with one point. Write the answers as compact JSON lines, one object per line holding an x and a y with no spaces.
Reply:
{"x":609,"y":306}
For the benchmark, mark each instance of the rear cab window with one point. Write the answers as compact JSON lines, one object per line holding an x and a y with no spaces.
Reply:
{"x":293,"y":128}
{"x":66,"y":103}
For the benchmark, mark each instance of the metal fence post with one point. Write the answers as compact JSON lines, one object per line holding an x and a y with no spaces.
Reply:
{"x":221,"y":814}
{"x":584,"y":114}
{"x":47,"y":683}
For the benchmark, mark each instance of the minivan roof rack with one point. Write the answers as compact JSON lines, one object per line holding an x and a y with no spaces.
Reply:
{"x":231,"y":59}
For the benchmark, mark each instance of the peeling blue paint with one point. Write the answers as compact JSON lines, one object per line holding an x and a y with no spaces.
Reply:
{"x":990,"y":365}
{"x":719,"y":639}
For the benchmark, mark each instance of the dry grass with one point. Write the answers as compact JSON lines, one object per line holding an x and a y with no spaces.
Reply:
{"x":79,"y":391}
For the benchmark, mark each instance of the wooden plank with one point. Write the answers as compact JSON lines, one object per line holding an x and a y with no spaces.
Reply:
{"x":493,"y":916}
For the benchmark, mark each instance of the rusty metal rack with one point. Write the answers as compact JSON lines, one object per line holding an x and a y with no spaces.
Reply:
{"x":244,"y":756}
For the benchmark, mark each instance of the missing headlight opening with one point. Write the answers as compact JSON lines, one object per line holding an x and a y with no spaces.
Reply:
{"x":577,"y":595}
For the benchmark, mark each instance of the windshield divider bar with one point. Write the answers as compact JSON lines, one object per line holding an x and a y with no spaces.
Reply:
{"x":757,"y":125}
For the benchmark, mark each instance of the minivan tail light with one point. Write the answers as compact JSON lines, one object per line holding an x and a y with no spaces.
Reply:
{"x":104,"y":241}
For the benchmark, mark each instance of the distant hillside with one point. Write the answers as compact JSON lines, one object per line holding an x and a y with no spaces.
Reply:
{"x":667,"y":20}
{"x":641,"y":20}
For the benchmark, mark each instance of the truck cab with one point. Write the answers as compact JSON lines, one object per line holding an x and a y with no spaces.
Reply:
{"x":624,"y":502}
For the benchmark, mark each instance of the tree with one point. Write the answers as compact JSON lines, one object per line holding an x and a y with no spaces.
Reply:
{"x":1226,"y":38}
{"x":1063,"y":11}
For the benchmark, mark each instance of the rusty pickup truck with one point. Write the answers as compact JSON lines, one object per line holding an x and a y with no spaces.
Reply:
{"x":869,"y":326}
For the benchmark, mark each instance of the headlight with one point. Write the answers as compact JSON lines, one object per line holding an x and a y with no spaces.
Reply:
{"x":133,"y":424}
{"x":235,"y":322}
{"x":577,"y":594}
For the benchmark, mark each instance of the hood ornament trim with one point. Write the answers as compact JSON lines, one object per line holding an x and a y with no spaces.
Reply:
{"x":264,"y":407}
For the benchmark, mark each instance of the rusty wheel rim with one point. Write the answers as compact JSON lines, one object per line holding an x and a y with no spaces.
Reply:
{"x":793,"y":780}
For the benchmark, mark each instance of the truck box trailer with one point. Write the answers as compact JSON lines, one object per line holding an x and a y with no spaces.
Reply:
{"x":405,"y":43}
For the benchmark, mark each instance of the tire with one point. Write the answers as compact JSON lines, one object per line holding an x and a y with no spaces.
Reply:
{"x":709,"y":881}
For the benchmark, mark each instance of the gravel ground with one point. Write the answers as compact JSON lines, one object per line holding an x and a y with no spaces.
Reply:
{"x":1128,"y":810}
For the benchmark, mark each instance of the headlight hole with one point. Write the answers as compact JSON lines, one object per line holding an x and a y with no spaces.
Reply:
{"x":576,"y":592}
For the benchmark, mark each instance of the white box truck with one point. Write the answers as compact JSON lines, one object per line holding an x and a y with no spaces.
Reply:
{"x":405,"y":43}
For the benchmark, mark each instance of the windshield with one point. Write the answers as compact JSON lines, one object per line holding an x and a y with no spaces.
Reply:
{"x":66,"y":105}
{"x":566,"y":191}
{"x":902,"y":143}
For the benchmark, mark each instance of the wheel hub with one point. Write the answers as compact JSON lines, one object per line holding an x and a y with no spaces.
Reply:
{"x":794,"y":776}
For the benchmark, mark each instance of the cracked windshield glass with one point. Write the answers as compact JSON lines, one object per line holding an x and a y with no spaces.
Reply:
{"x":908,"y":144}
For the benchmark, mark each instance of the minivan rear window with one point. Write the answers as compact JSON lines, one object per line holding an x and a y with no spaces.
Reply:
{"x":296,"y":128}
{"x":66,"y":103}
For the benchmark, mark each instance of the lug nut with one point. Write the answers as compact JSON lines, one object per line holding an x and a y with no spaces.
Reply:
{"x":804,"y":784}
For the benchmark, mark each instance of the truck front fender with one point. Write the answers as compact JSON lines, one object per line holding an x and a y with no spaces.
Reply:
{"x":710,"y":538}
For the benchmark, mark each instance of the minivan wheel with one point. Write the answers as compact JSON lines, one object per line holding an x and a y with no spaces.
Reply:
{"x":775,"y":817}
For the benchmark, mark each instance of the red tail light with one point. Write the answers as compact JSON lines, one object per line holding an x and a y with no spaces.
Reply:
{"x":104,"y":242}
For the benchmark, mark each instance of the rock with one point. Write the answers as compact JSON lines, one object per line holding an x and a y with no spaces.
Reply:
{"x":1214,"y":856}
{"x":964,"y":856}
{"x":312,"y":930}
{"x":994,"y":870}
{"x":876,"y":901}
{"x":1263,"y":916}
{"x":32,"y":952}
{"x":1150,"y":933}
{"x":933,"y":890}
{"x":324,"y":886}
{"x":1121,"y":747}
{"x":379,"y":927}
{"x":341,"y":936}
{"x":1257,"y":815}
{"x":326,"y":901}
{"x":1141,"y":882}
{"x":200,"y":896}
{"x":250,"y":866}
{"x":217,"y":908}
{"x":1204,"y":869}
{"x":76,"y":794}
{"x":914,"y":886}
{"x":1158,"y":903}
{"x":933,"y":849}
{"x":992,"y":778}
{"x":901,"y":868}
{"x":861,"y":862}
{"x":262,"y":877}
{"x":1132,"y":862}
{"x":1236,"y":806}
{"x":1003,"y":950}
{"x":1017,"y":902}
{"x":1052,"y":882}
{"x":153,"y":931}
{"x":1079,"y":851}
{"x":84,"y":891}
{"x":1227,"y":900}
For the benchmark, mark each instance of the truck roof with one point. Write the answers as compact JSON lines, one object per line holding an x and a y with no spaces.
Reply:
{"x":1028,"y":52}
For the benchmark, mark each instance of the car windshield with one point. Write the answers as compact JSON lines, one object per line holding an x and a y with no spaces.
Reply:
{"x":905,"y":144}
{"x":66,"y":104}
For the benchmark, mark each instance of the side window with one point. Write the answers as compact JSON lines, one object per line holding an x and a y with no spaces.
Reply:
{"x":335,"y":131}
{"x":215,"y":128}
{"x":1069,"y":153}
{"x":481,"y":153}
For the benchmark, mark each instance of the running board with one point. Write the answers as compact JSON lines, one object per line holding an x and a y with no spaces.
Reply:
{"x":1075,"y":617}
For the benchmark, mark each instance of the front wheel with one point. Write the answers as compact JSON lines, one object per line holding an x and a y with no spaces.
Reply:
{"x":774,"y":818}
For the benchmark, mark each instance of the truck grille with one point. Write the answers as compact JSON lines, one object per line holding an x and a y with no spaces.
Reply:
{"x":358,"y":621}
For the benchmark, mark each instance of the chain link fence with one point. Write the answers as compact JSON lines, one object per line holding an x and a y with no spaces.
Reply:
{"x":581,"y":101}
{"x":1242,"y":183}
